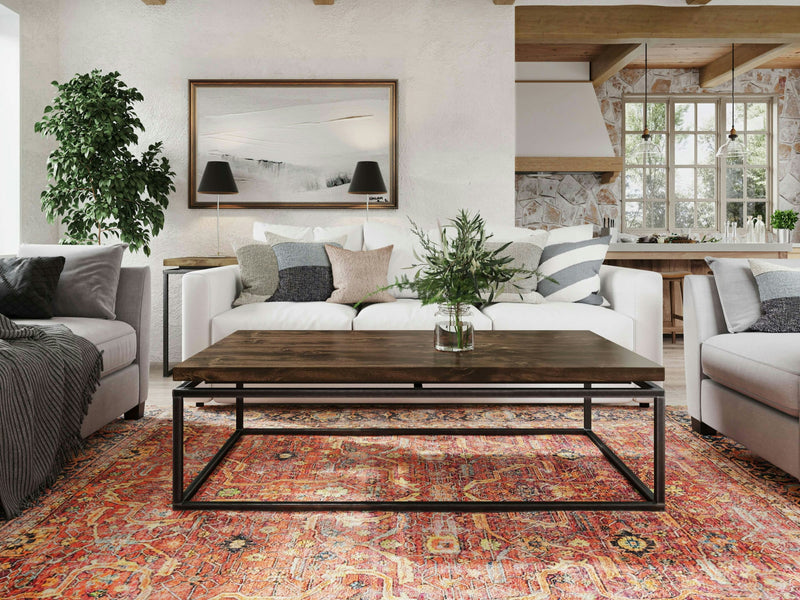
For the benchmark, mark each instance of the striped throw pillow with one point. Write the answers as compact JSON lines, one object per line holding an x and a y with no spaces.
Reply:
{"x":779,"y":289}
{"x":575,"y":270}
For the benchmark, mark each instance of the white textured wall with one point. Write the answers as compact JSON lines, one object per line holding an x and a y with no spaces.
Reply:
{"x":454,"y":60}
{"x":38,"y":23}
{"x":9,"y":130}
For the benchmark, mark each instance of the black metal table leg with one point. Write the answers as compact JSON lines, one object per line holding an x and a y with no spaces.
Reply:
{"x":659,"y":450}
{"x":177,"y":447}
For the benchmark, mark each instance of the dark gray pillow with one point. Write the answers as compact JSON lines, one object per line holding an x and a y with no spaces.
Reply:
{"x":304,"y":272}
{"x":779,"y":290}
{"x":28,"y":286}
{"x":89,"y":281}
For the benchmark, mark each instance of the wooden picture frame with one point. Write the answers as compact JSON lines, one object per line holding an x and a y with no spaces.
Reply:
{"x":293,"y":143}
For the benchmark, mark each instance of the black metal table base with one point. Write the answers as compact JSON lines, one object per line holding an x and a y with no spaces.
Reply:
{"x":651,"y":499}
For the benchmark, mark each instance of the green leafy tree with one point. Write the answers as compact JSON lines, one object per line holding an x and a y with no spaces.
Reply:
{"x":98,"y":188}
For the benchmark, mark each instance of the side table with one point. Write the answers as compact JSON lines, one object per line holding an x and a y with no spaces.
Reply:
{"x":181,"y":266}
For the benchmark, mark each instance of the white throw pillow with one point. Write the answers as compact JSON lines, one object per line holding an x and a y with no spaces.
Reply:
{"x":576,"y":233}
{"x":353,"y":234}
{"x":379,"y":235}
{"x":537,"y":237}
{"x":292,"y":232}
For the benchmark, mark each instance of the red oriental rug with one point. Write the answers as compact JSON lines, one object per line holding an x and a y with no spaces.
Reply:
{"x":106,"y":530}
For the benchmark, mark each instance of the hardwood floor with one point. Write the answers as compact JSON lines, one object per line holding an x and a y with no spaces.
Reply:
{"x":161,"y":387}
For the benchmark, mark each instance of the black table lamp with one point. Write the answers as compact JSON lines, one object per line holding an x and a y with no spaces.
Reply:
{"x":217,"y":179}
{"x":367,"y":179}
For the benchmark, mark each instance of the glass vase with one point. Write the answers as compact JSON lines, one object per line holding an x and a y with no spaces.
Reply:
{"x":454,"y":331}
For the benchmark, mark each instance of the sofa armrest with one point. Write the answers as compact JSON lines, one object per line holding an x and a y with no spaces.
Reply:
{"x":133,"y":307}
{"x":638,"y":294}
{"x":702,"y":319}
{"x":206,"y":294}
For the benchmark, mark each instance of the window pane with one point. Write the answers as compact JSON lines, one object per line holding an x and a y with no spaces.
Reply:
{"x":632,"y":141}
{"x":684,"y":149}
{"x":656,"y":215}
{"x":659,"y":140}
{"x":684,"y":117}
{"x":684,"y":214}
{"x":656,"y":183}
{"x":684,"y":183}
{"x":739,"y":116}
{"x":633,"y":214}
{"x":706,"y":215}
{"x":757,"y":208}
{"x":756,"y":148}
{"x":633,"y":183}
{"x":735,"y":183}
{"x":757,"y":116}
{"x":633,"y":116}
{"x":756,"y":183}
{"x":706,"y":187}
{"x":734,"y":212}
{"x":657,"y":116}
{"x":706,"y":117}
{"x":706,"y":149}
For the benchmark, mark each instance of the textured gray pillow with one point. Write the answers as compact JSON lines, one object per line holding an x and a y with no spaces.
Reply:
{"x":304,"y":273}
{"x":779,"y":290}
{"x":258,"y":267}
{"x":523,"y":255}
{"x":88,"y":284}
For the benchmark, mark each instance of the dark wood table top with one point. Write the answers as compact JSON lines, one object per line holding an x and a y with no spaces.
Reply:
{"x":351,"y":357}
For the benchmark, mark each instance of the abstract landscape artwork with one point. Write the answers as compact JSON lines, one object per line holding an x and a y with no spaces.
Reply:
{"x":293,"y":143}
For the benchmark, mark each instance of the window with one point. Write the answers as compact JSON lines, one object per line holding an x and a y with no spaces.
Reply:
{"x":690,"y":189}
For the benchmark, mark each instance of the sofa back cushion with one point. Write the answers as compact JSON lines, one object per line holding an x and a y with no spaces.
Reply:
{"x":88,"y":283}
{"x":304,"y":273}
{"x":28,"y":286}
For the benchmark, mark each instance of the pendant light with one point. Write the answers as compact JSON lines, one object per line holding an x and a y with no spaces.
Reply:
{"x":734,"y":148}
{"x":647,"y":152}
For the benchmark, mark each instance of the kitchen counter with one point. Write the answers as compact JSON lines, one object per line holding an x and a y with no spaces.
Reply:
{"x":623,"y":251}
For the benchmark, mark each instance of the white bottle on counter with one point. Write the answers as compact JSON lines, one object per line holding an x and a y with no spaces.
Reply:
{"x":760,"y":231}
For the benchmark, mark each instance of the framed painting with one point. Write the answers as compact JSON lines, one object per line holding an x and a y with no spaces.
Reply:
{"x":293,"y":143}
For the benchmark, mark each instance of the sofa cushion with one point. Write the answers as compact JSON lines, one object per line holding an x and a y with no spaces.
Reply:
{"x":88,"y":283}
{"x":408,"y":314}
{"x":611,"y":325}
{"x":764,"y":366}
{"x":283,"y":315}
{"x":28,"y":286}
{"x":115,"y":339}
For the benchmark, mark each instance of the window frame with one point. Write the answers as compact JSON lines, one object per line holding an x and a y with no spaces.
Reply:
{"x":720,"y":165}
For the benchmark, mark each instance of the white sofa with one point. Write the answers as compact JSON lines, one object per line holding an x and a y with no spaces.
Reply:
{"x":634,"y":319}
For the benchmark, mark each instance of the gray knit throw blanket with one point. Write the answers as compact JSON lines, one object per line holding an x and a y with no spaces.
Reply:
{"x":47,"y":378}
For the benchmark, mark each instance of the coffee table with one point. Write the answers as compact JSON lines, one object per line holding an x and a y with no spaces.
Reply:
{"x":254,"y":364}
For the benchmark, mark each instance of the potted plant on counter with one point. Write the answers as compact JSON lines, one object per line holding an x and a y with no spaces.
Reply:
{"x":457,"y":272}
{"x":98,"y":188}
{"x":783,"y":222}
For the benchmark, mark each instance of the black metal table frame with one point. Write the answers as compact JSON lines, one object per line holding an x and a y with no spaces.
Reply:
{"x":651,"y":499}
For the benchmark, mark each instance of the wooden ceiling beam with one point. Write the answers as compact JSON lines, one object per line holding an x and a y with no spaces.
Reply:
{"x":612,"y":60}
{"x":636,"y":24}
{"x":746,"y":57}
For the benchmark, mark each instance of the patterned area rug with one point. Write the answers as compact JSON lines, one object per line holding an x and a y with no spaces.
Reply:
{"x":106,"y":529}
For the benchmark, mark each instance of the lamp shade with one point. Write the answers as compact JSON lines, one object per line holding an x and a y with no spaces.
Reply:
{"x":217,"y":179}
{"x":367,"y":179}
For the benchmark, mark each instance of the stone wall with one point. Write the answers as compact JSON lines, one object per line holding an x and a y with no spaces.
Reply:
{"x":550,"y":200}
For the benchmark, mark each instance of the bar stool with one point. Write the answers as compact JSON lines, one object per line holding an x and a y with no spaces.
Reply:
{"x":673,"y":277}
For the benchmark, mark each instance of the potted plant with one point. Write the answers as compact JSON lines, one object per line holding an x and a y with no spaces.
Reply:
{"x":98,"y":188}
{"x":457,"y":273}
{"x":783,"y":222}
